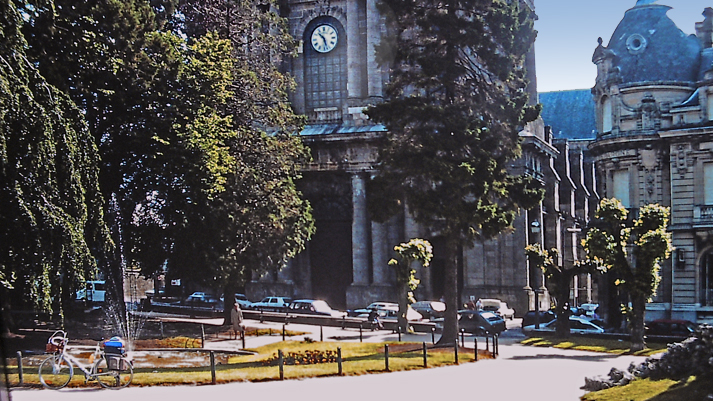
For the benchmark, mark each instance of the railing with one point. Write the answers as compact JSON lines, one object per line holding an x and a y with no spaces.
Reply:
{"x":325,"y":115}
{"x":703,"y":214}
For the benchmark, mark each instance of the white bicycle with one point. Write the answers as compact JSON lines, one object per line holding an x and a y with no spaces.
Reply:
{"x":110,"y":370}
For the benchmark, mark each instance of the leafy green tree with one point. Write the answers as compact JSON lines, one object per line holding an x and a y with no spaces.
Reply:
{"x":631,"y":252}
{"x":455,"y":104}
{"x":52,"y":227}
{"x":272,"y":222}
{"x":192,"y":178}
{"x":416,"y":250}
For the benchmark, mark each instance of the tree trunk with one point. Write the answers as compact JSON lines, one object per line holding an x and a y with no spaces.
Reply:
{"x":402,"y":295}
{"x":638,"y":312}
{"x":450,"y":321}
{"x":228,"y":301}
{"x":563,"y":311}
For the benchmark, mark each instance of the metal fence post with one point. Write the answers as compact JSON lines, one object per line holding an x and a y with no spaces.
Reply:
{"x":361,"y":338}
{"x":475,"y":347}
{"x":425,"y":355}
{"x":455,"y":351}
{"x":321,"y":334}
{"x":202,"y":336}
{"x":283,"y":332}
{"x":386,"y":356}
{"x":433,"y":335}
{"x":242,"y":337}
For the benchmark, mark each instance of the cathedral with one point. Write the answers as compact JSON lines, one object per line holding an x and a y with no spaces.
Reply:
{"x":643,"y":134}
{"x":345,"y":262}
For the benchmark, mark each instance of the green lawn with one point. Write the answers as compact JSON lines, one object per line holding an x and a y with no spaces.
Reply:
{"x":358,"y":358}
{"x":694,"y":389}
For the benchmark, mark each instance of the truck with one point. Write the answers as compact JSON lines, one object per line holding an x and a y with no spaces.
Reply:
{"x":94,"y":291}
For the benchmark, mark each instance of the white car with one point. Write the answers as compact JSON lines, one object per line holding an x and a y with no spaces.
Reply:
{"x":272,"y":304}
{"x":576,"y":325}
{"x":499,"y":307}
{"x":388,"y":310}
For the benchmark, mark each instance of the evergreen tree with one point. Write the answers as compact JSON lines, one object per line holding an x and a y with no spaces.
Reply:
{"x":455,"y":104}
{"x":51,"y":227}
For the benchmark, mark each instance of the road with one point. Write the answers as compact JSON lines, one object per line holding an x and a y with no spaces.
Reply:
{"x":519,"y":373}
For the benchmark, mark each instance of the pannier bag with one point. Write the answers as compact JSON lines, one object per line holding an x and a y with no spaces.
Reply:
{"x":114,"y":346}
{"x":114,"y":362}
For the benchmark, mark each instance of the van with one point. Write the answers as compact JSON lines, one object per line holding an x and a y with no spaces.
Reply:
{"x":93,"y":291}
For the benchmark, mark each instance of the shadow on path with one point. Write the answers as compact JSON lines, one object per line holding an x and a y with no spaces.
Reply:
{"x":586,"y":358}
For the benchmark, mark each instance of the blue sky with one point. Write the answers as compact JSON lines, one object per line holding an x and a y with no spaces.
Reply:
{"x":568,"y":32}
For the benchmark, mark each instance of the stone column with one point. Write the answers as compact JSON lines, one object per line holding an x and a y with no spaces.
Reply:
{"x":354,"y":58}
{"x":379,"y":254}
{"x":360,"y":232}
{"x":373,"y":38}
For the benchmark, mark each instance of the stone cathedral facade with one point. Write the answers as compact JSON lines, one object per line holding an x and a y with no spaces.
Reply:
{"x":345,"y":263}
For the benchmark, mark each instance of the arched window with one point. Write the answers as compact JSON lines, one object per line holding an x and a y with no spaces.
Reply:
{"x":325,"y":55}
{"x":606,"y":115}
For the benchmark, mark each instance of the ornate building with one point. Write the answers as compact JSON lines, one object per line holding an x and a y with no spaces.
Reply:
{"x":654,"y":142}
{"x":345,"y":263}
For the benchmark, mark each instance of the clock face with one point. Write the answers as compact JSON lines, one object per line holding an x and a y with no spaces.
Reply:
{"x":324,"y":38}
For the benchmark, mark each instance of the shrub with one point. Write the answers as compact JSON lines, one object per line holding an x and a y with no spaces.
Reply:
{"x":304,"y":358}
{"x":692,"y":357}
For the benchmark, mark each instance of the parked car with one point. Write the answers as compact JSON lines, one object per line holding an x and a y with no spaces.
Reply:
{"x":577,"y":325}
{"x":241,"y":300}
{"x":545,"y":317}
{"x":313,"y":307}
{"x":671,"y":327}
{"x":499,"y":307}
{"x":429,"y":309}
{"x":477,"y":322}
{"x":387,"y":310}
{"x":272,"y":304}
{"x":93,"y":291}
{"x":586,"y":311}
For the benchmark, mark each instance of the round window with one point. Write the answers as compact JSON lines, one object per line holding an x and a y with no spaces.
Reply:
{"x":636,"y":43}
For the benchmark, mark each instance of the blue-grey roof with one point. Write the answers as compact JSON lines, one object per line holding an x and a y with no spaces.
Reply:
{"x":327,"y":129}
{"x":648,"y":46}
{"x":569,"y":113}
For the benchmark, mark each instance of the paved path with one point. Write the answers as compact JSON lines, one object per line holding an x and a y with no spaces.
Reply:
{"x":520,"y":373}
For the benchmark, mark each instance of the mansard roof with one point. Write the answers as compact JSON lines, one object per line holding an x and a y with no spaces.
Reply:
{"x":648,"y":46}
{"x":570,"y":113}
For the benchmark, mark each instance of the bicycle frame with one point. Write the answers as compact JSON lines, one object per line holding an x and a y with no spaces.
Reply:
{"x":75,"y":362}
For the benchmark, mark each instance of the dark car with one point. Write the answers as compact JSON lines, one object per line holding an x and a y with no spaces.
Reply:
{"x":670,"y":327}
{"x":545,"y":317}
{"x":477,"y":322}
{"x":313,"y":307}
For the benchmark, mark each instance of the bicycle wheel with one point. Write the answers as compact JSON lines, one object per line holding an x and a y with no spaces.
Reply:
{"x":55,"y":372}
{"x":115,"y":374}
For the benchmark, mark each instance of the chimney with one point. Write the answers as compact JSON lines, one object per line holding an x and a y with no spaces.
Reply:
{"x":704,"y":30}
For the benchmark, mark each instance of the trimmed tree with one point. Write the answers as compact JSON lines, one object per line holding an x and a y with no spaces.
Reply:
{"x":559,"y":280}
{"x":632,"y":252}
{"x":416,"y":250}
{"x":453,"y":109}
